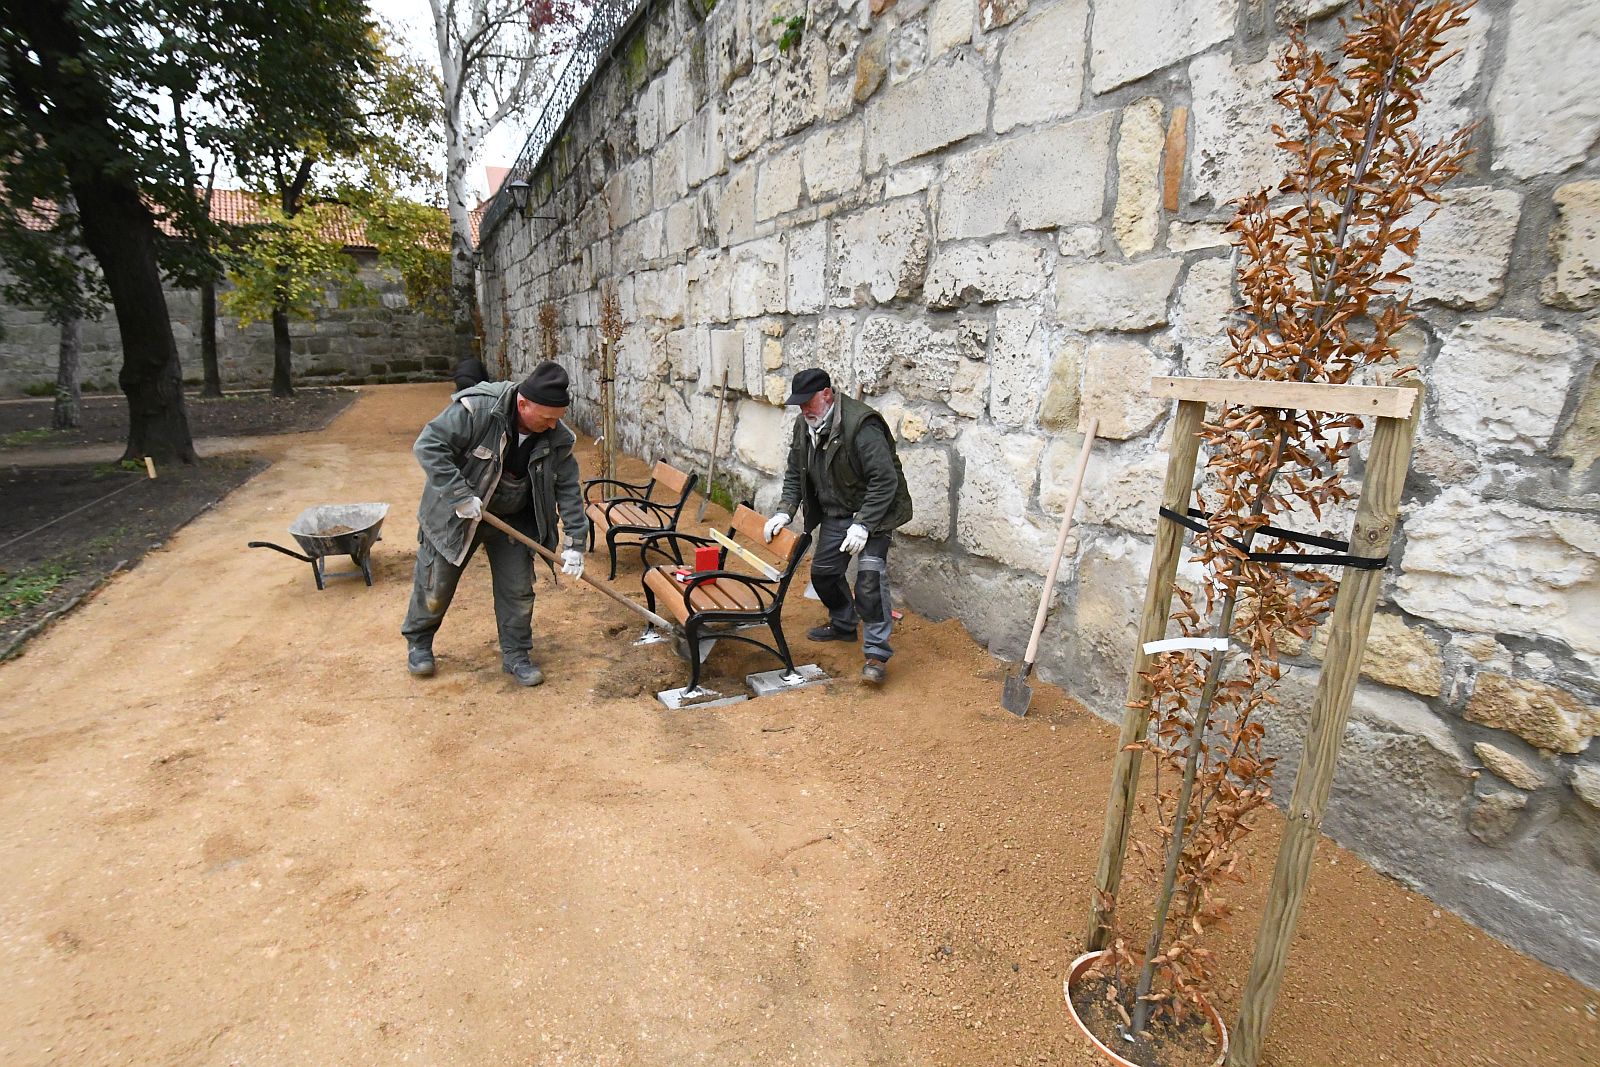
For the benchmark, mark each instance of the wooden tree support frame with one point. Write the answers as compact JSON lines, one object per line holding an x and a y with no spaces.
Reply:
{"x":1396,"y":409}
{"x":608,"y":409}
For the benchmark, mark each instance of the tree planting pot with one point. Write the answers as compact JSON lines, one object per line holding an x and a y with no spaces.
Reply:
{"x":1080,"y":965}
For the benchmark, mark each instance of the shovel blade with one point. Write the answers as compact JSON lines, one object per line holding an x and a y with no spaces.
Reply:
{"x":1018,"y":694}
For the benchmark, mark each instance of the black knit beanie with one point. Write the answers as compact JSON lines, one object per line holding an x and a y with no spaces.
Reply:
{"x":547,"y":385}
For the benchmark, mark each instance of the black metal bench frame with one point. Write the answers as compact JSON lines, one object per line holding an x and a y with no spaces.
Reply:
{"x":670,"y":513}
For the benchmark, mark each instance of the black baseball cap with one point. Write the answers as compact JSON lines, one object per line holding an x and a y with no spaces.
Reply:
{"x":808,"y":383}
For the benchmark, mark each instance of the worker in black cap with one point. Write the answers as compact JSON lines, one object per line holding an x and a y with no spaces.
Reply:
{"x":499,"y":447}
{"x":843,"y":468}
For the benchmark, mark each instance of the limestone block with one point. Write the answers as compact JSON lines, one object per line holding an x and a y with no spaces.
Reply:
{"x":907,"y":355}
{"x":667,"y":172}
{"x":807,"y":268}
{"x":1190,"y":236}
{"x":1200,"y":323}
{"x":761,"y":436}
{"x":1041,"y":68}
{"x":1586,"y":783}
{"x":992,"y":517}
{"x":646,"y":117}
{"x":1575,"y":245}
{"x":724,"y":351}
{"x":641,"y":190}
{"x":1018,"y":366}
{"x":759,"y":281}
{"x":927,"y":472}
{"x":945,"y":103}
{"x":682,"y":226}
{"x":1059,"y":408}
{"x":908,"y":51}
{"x":903,"y":181}
{"x":1494,"y":566}
{"x":1465,"y":247}
{"x":1121,"y":489}
{"x":703,"y":151}
{"x":836,"y":345}
{"x":985,"y":273}
{"x":1453,"y":88}
{"x":747,"y":114}
{"x":729,"y":43}
{"x":755,"y":370}
{"x":677,"y":101}
{"x":1235,"y":152}
{"x":949,"y":25}
{"x":1113,"y":296}
{"x":1137,"y":216}
{"x":1081,"y":242}
{"x":1545,"y":111}
{"x":1110,"y":580}
{"x":832,"y":160}
{"x":1042,"y":179}
{"x":703,"y":422}
{"x":708,"y":287}
{"x":660,"y":295}
{"x":1514,"y":769}
{"x":736,"y":217}
{"x":1542,"y":715}
{"x":1494,"y":817}
{"x":778,"y":186}
{"x":872,"y":63}
{"x":682,"y":350}
{"x":1396,"y":654}
{"x":1116,"y":389}
{"x":1135,"y":37}
{"x":1581,"y":442}
{"x":993,"y":14}
{"x":800,"y":87}
{"x":969,"y":388}
{"x":880,"y":253}
{"x":1501,"y":382}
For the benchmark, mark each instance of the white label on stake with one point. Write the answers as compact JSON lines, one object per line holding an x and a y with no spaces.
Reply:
{"x":1185,"y":644}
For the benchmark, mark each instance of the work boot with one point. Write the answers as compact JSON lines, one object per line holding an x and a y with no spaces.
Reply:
{"x":826,"y":632}
{"x":419,"y":660}
{"x":874,"y":672}
{"x":522,"y":669}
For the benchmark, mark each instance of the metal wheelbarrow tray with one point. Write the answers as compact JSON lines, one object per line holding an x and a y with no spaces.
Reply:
{"x":335,"y":530}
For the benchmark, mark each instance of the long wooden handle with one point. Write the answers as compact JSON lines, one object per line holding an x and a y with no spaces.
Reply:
{"x":716,"y":445}
{"x":1061,"y":544}
{"x":655,"y":620}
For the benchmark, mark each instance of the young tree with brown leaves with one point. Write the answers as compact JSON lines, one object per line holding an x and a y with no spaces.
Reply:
{"x":1322,"y":273}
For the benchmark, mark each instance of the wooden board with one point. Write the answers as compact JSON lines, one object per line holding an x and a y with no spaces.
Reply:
{"x":1390,"y":402}
{"x":765,"y":569}
{"x":670,"y":478}
{"x":749,"y":523}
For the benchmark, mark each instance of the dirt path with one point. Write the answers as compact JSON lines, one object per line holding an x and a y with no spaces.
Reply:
{"x":235,"y":831}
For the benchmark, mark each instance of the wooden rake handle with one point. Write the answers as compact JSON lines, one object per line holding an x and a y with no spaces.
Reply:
{"x":1061,"y":544}
{"x":517,"y":535}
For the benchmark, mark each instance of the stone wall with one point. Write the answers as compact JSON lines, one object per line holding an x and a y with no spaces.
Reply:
{"x":994,"y":218}
{"x":378,"y":340}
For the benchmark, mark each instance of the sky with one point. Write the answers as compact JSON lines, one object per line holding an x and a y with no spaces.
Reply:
{"x":412,"y":21}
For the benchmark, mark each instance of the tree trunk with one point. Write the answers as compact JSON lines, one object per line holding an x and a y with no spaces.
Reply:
{"x":69,"y":396}
{"x":208,"y":338}
{"x":117,"y":227}
{"x":463,"y":278}
{"x":282,"y":366}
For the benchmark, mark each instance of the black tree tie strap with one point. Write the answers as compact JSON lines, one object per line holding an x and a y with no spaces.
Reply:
{"x":1339,"y":557}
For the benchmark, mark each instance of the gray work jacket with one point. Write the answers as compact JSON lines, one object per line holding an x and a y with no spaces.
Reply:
{"x":462,"y":452}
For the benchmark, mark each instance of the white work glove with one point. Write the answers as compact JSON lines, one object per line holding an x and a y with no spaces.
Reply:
{"x":774,"y":524}
{"x":855,"y":539}
{"x":470,"y":508}
{"x":572,"y":563}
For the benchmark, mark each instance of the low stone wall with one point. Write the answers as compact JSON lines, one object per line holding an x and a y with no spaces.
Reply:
{"x":384,"y":341}
{"x":994,"y":218}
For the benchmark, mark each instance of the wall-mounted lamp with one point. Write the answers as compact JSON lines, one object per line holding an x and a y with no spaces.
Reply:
{"x":518,"y":189}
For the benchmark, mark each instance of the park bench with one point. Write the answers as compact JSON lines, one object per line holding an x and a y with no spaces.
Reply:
{"x":724,"y":603}
{"x":629,"y":517}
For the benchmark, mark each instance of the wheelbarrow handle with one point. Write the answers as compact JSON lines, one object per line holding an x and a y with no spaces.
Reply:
{"x":280,"y":548}
{"x":503,"y":527}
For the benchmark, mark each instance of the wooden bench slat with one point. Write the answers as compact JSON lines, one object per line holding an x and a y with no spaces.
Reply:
{"x":670,"y":478}
{"x":750,"y":523}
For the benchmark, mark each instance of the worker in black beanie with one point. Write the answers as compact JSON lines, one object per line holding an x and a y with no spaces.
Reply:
{"x":499,"y":447}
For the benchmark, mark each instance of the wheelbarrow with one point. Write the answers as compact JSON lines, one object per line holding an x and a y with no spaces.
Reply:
{"x":335,"y":530}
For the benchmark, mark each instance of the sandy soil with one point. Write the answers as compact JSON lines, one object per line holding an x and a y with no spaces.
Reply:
{"x":234,"y":830}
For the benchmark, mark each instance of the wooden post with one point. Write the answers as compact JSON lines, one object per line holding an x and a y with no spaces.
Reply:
{"x":608,"y":402}
{"x":1181,"y":459}
{"x":1347,"y":641}
{"x":716,"y":446}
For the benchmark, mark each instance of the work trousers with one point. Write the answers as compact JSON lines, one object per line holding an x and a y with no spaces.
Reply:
{"x":872,"y":605}
{"x":434,"y":581}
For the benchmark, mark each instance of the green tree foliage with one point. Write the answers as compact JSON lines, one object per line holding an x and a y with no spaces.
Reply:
{"x":88,"y":95}
{"x":289,"y":264}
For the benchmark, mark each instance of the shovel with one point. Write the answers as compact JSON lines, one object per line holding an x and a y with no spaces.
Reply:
{"x":1018,"y":694}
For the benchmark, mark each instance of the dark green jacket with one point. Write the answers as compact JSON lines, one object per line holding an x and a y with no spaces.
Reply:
{"x":862,"y":464}
{"x":462,"y":452}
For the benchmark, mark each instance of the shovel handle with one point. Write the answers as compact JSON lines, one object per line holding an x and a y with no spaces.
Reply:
{"x":518,"y":535}
{"x":1061,"y":544}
